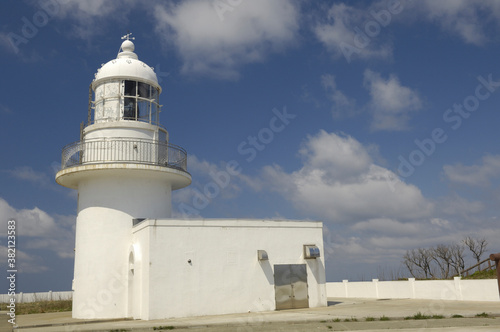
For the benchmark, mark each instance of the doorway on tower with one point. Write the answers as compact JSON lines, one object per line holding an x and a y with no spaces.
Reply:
{"x":290,"y":286}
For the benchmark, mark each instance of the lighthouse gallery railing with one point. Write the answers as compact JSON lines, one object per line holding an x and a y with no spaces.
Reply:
{"x":124,"y":150}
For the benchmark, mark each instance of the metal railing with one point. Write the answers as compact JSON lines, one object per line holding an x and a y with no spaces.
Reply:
{"x":479,"y":266}
{"x":124,"y":150}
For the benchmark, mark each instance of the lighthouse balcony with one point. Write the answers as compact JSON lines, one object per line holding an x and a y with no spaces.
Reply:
{"x":124,"y":150}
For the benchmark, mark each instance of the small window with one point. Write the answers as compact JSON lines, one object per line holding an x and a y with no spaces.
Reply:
{"x":129,"y":108}
{"x":140,"y":102}
{"x":144,"y":90}
{"x":130,"y":88}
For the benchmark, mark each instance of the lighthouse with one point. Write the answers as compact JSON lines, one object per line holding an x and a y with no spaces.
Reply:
{"x":132,"y":260}
{"x":124,"y":168}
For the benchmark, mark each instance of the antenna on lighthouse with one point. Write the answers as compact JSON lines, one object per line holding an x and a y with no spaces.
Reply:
{"x":128,"y":38}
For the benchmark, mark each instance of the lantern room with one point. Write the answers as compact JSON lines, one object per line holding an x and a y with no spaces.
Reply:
{"x":125,"y":88}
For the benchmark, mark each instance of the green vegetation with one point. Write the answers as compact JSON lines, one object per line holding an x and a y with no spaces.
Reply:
{"x":457,"y":316}
{"x":483,"y":314}
{"x":491,"y":274}
{"x":369,"y":319}
{"x":352,"y":319}
{"x":336,"y":320}
{"x":41,"y":307}
{"x":384,"y":318}
{"x":159,"y":328}
{"x":420,"y":315}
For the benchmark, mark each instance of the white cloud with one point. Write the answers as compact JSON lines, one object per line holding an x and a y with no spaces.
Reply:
{"x":88,"y":18}
{"x":475,"y":175}
{"x":37,"y":230}
{"x":211,"y":182}
{"x":26,"y":263}
{"x":387,"y":226}
{"x":31,"y":222}
{"x":391,"y":102}
{"x":342,"y":104}
{"x":464,"y":18}
{"x":27,"y":173}
{"x":343,"y":32}
{"x":441,"y":222}
{"x":339,"y":156}
{"x":339,"y":183}
{"x":209,"y":45}
{"x":340,"y":37}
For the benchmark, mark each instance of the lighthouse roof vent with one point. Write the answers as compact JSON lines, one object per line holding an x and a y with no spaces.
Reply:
{"x":126,"y":66}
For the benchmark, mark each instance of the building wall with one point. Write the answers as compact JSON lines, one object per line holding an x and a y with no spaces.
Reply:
{"x":206,"y":267}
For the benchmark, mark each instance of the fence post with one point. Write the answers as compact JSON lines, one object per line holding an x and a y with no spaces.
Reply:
{"x":458,"y":288}
{"x":411,"y":282}
{"x":496,"y":258}
{"x":375,"y":283}
{"x":345,"y":287}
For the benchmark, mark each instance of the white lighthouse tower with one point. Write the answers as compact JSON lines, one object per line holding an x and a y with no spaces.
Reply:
{"x":124,"y":169}
{"x":131,"y":258}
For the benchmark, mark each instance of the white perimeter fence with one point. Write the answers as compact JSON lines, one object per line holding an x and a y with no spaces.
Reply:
{"x":456,"y":289}
{"x":35,"y":297}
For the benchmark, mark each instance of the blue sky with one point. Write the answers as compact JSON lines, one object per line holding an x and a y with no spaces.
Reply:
{"x":378,"y":118}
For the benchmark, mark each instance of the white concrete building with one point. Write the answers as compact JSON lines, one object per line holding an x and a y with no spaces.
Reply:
{"x":131,"y":260}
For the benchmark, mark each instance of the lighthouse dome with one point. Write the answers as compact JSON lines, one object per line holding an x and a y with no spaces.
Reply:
{"x":126,"y":66}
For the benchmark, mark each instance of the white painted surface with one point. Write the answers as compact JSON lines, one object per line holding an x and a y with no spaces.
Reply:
{"x":121,"y":129}
{"x":107,"y":203}
{"x":70,"y":177}
{"x":224,"y":275}
{"x":127,"y":66}
{"x":457,"y":289}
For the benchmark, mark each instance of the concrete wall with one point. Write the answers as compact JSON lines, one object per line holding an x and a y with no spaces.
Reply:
{"x":207,"y":267}
{"x":35,"y":297}
{"x":457,"y":289}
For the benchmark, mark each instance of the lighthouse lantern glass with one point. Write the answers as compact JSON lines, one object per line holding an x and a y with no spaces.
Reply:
{"x":140,"y":102}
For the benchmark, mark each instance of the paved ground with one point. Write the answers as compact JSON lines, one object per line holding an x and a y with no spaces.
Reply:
{"x":340,"y":315}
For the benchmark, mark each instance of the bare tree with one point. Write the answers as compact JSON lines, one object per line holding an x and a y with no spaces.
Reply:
{"x":457,"y":258}
{"x":419,"y":263}
{"x":476,"y":246}
{"x":442,"y":256}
